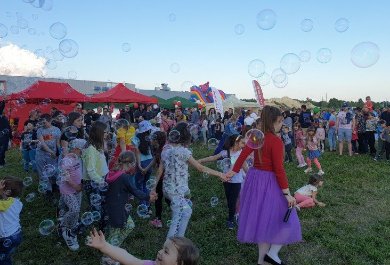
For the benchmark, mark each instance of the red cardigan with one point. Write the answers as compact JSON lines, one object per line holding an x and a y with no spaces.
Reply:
{"x":272,"y":158}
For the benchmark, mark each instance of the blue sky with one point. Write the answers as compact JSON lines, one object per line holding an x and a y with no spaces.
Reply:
{"x":203,"y":42}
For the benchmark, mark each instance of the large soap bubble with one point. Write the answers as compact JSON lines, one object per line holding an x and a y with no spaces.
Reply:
{"x":58,"y":30}
{"x":254,"y":138}
{"x":307,"y":25}
{"x":266,"y":19}
{"x":256,"y":68}
{"x":264,"y":79}
{"x":290,"y":63}
{"x":305,"y":56}
{"x":324,"y":55}
{"x":281,"y":84}
{"x":365,"y":54}
{"x":69,"y":48}
{"x":278,"y":75}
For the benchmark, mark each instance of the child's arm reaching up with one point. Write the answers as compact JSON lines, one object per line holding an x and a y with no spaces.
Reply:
{"x":98,"y":241}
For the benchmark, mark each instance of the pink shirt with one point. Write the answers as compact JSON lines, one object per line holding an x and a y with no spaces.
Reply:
{"x":312,"y":145}
{"x":70,"y":171}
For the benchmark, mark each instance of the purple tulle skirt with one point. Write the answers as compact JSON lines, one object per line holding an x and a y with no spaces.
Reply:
{"x":262,"y":210}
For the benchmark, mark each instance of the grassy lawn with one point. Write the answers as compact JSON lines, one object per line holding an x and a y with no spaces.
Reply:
{"x":354,"y":227}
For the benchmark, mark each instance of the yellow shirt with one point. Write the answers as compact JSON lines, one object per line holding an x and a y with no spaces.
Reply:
{"x":127,"y":135}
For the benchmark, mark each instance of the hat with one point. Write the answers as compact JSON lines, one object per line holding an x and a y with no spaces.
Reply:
{"x":345,"y":105}
{"x":77,"y":143}
{"x":144,"y":126}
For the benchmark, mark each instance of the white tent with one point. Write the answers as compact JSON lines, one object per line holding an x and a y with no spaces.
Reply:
{"x":233,"y":102}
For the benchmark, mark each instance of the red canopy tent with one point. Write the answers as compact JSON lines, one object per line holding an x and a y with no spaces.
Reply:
{"x":121,"y":94}
{"x":44,"y":91}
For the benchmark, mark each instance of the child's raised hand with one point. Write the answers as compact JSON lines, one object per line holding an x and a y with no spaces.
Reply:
{"x":96,"y":239}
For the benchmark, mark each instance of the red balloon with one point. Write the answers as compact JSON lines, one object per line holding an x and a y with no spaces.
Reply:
{"x":136,"y":105}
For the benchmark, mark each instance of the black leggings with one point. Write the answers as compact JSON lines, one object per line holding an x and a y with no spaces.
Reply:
{"x":370,"y":136}
{"x":232,"y":191}
{"x":387,"y":148}
{"x":159,"y":203}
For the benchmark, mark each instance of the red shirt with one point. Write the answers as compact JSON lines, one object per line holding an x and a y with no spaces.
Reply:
{"x":272,"y":158}
{"x":369,"y":105}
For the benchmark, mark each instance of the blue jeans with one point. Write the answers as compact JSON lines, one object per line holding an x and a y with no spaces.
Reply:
{"x":29,"y":156}
{"x":332,"y":138}
{"x":8,"y":246}
{"x":140,"y":179}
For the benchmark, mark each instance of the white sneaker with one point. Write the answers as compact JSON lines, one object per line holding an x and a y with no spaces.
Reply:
{"x":301,"y":165}
{"x":308,"y":170}
{"x":70,"y":240}
{"x":321,"y":172}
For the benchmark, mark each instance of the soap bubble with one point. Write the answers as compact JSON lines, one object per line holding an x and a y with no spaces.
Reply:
{"x":42,"y":187}
{"x":30,"y":197}
{"x":281,"y":84}
{"x":256,"y":68}
{"x":305,"y":56}
{"x":172,"y":17}
{"x":96,"y":216}
{"x":51,"y":64}
{"x":214,"y":201}
{"x":95,"y":199}
{"x":249,"y":161}
{"x":264,"y":79}
{"x":3,"y":31}
{"x":324,"y":55}
{"x":128,"y":207}
{"x":58,"y":30}
{"x":7,"y":243}
{"x":239,"y":29}
{"x":205,"y":175}
{"x":175,"y":68}
{"x":266,"y":19}
{"x":126,"y":47}
{"x":307,"y":25}
{"x":88,"y":240}
{"x":290,"y":63}
{"x":212,"y":143}
{"x":365,"y":54}
{"x":121,"y":123}
{"x":27,"y":181}
{"x":46,"y":227}
{"x":254,"y":138}
{"x":14,"y":29}
{"x":87,"y":218}
{"x":103,"y":186}
{"x":341,"y":25}
{"x":278,"y":75}
{"x":69,"y":48}
{"x":71,"y":132}
{"x":151,"y":183}
{"x":174,"y":136}
{"x":142,"y":211}
{"x":31,"y":31}
{"x":49,"y":170}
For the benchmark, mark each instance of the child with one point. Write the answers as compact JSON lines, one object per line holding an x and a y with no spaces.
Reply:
{"x":176,"y":251}
{"x":354,"y":140}
{"x":218,"y":129}
{"x":47,"y":152}
{"x":70,"y":188}
{"x":120,"y":186}
{"x":300,"y":142}
{"x":306,"y":196}
{"x":286,"y":137}
{"x":313,"y":152}
{"x":320,"y":135}
{"x":386,"y":139}
{"x":158,"y":144}
{"x":371,"y":123}
{"x":94,"y":162}
{"x":381,"y":144}
{"x":204,"y":128}
{"x":10,"y":207}
{"x":176,"y":158}
{"x":233,"y":147}
{"x":125,"y":132}
{"x":28,"y":139}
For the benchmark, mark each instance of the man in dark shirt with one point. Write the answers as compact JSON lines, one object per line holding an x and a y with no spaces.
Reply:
{"x":97,"y":114}
{"x":149,"y":114}
{"x":386,"y":115}
{"x":305,"y":118}
{"x":130,"y":112}
{"x":33,"y":118}
{"x":5,"y":135}
{"x":139,"y":112}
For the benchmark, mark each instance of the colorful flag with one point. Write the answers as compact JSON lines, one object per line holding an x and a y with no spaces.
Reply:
{"x":258,"y":93}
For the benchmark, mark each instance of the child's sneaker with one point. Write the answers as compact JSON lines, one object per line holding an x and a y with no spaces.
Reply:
{"x":156,"y":223}
{"x":230,"y":225}
{"x":308,"y":170}
{"x":320,"y":172}
{"x":70,"y":240}
{"x":301,"y":165}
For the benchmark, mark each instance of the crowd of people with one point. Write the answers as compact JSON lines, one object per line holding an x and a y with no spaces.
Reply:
{"x":106,"y":161}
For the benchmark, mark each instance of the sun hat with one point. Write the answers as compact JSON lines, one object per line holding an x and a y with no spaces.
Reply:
{"x":144,"y":126}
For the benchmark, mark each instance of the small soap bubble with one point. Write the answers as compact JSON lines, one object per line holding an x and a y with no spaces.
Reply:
{"x":290,"y":63}
{"x":212,"y":143}
{"x":324,"y":55}
{"x":175,"y":68}
{"x":307,"y":25}
{"x":58,"y":30}
{"x":266,"y":19}
{"x":239,"y":29}
{"x":256,"y":68}
{"x":214,"y":201}
{"x":46,"y":227}
{"x":174,"y":136}
{"x":142,"y":210}
{"x":341,"y":25}
{"x":27,"y":181}
{"x":87,"y":218}
{"x":30,"y":197}
{"x":126,"y":47}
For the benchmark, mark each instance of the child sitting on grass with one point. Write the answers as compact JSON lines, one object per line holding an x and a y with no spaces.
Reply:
{"x":10,"y":207}
{"x":176,"y":251}
{"x":307,"y":195}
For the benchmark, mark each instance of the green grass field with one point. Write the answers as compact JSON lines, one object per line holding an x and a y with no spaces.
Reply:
{"x":354,"y":227}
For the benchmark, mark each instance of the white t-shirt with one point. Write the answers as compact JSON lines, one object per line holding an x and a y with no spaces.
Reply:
{"x":307,"y":190}
{"x":10,"y":220}
{"x":175,"y":159}
{"x":248,"y":121}
{"x":238,"y":177}
{"x":345,"y":120}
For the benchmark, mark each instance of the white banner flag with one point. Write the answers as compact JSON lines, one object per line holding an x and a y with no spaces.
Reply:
{"x":217,"y":100}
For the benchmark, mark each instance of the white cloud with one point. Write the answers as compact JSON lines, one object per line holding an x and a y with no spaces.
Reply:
{"x":20,"y":62}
